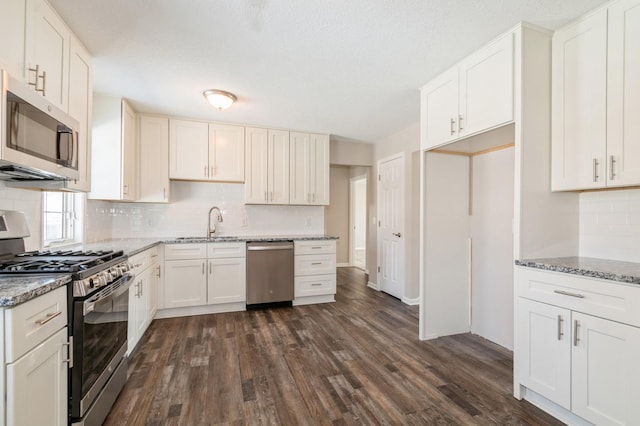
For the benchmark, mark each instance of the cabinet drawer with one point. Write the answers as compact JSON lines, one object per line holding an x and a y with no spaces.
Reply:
{"x":185,"y":251}
{"x":315,"y":247}
{"x":31,"y":323}
{"x":143,"y":260}
{"x":315,"y":285}
{"x":602,"y":298}
{"x":316,"y":264}
{"x":222,"y":250}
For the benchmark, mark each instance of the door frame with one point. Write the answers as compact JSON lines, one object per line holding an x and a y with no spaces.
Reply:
{"x":352,"y":217}
{"x":401,"y":156}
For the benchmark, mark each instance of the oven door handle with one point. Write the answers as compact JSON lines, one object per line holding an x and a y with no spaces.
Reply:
{"x":123,"y":283}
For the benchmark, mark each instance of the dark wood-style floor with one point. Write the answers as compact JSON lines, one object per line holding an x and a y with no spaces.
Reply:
{"x":356,"y":361}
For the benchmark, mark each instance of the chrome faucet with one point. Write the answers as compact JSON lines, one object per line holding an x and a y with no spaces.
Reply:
{"x":211,"y":230}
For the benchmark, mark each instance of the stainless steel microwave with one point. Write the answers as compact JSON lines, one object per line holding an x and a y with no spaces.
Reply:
{"x":39,"y":142}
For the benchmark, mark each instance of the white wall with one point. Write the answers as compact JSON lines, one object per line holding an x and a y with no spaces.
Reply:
{"x":337,"y":214}
{"x":610,"y":224}
{"x":360,"y":213}
{"x":187,"y":214}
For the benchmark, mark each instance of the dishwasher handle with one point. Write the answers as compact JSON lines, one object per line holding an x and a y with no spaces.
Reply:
{"x":270,"y":247}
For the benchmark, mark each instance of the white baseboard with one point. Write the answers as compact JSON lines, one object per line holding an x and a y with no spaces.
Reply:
{"x":412,"y":302}
{"x":429,"y":336}
{"x":373,"y":286}
{"x":200,"y":310}
{"x":555,"y":410}
{"x":311,"y":300}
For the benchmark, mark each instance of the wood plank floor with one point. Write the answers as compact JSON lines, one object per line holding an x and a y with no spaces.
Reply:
{"x":356,"y":361}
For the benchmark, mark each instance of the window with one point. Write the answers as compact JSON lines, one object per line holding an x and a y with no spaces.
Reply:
{"x":62,"y":218}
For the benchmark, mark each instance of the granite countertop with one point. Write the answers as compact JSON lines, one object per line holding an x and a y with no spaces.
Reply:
{"x":625,"y":272}
{"x":18,"y":289}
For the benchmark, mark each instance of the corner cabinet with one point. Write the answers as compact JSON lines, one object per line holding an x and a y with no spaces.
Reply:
{"x":153,"y":159}
{"x":475,"y":96}
{"x":203,"y":151}
{"x":309,"y":169}
{"x":266,"y":166}
{"x":114,"y":150}
{"x":577,"y":345}
{"x":595,"y":97}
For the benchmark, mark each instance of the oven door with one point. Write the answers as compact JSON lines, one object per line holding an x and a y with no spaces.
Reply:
{"x":100,"y":341}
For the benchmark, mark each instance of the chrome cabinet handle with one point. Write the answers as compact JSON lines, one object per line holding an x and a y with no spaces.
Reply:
{"x":316,"y":284}
{"x":266,"y":198}
{"x":460,"y":118}
{"x":576,"y":326}
{"x":452,"y":125}
{"x":69,"y":344}
{"x":210,"y":267}
{"x":397,"y":234}
{"x":560,"y":321}
{"x":37,"y":71}
{"x":566,"y":293}
{"x":44,"y":83}
{"x":316,"y":248}
{"x":596,"y":163}
{"x":164,"y":193}
{"x":49,"y":317}
{"x":316,"y":263}
{"x":612,"y":165}
{"x":158,"y":271}
{"x":125,"y":190}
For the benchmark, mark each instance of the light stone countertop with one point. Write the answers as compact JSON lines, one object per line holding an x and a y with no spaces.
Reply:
{"x":625,"y":272}
{"x":16,"y":289}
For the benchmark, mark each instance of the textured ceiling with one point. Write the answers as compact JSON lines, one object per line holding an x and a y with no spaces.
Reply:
{"x":351,"y":68}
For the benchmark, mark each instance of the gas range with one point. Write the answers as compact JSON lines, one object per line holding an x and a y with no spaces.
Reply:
{"x":91,"y":270}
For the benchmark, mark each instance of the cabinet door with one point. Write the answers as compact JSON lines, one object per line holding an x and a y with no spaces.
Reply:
{"x":80,"y":106}
{"x":188,"y":150}
{"x":439,"y":110}
{"x":37,"y":384}
{"x":544,"y":355}
{"x":227,"y":280}
{"x":579,"y":99}
{"x":278,"y":166}
{"x":154,"y":159}
{"x":47,"y":47}
{"x":12,"y":39}
{"x":623,"y":97}
{"x":256,"y":166}
{"x":606,"y":374}
{"x":486,"y":88}
{"x":226,"y":153}
{"x":129,"y":152}
{"x":299,"y":179}
{"x":154,"y":285}
{"x":319,"y":163}
{"x":185,"y":283}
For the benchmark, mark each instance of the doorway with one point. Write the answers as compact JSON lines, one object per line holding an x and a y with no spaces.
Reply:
{"x":358,"y":222}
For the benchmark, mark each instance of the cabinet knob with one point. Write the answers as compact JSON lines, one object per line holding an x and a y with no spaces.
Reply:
{"x":453,"y":127}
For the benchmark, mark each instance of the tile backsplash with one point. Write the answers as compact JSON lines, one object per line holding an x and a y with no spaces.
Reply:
{"x":187,"y":214}
{"x":29,"y":202}
{"x":610,"y":224}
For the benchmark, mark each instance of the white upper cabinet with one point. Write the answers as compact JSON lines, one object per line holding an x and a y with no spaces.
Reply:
{"x":12,"y":38}
{"x":226,"y":153}
{"x":154,"y":159}
{"x":309,"y":169}
{"x":206,"y":151}
{"x":579,"y":98}
{"x":623,"y":94}
{"x":114,"y":150}
{"x":596,"y":98}
{"x":266,"y":166}
{"x":474,"y":96}
{"x":80,"y":106}
{"x":47,"y":53}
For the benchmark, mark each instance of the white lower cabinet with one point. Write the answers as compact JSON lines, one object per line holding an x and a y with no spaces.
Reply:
{"x":314,"y":271}
{"x":143,"y":295}
{"x":185,"y":283}
{"x":586,"y":364}
{"x":227,"y":280}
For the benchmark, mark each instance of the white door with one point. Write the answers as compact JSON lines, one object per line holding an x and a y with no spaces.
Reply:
{"x":623,"y":94}
{"x":605,"y":372}
{"x":154,"y":159}
{"x":544,"y":360}
{"x":391,"y":225}
{"x":439,"y":110}
{"x":226,"y":153}
{"x":189,"y":150}
{"x":358,"y":222}
{"x":185,"y":283}
{"x":579,"y":103}
{"x":278,"y":166}
{"x":227,"y":280}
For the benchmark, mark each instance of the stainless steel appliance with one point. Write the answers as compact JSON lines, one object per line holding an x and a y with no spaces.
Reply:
{"x":98,"y":314}
{"x":269,"y":272}
{"x":38,"y":142}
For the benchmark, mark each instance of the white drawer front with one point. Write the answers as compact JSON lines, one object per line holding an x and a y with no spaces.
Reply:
{"x":602,"y":298}
{"x":317,"y":264}
{"x":31,"y":323}
{"x":222,"y":250}
{"x":315,"y":247}
{"x":315,"y":285}
{"x":143,"y":260}
{"x":185,"y":251}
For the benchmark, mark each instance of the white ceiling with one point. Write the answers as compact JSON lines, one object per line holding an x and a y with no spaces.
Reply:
{"x":351,"y":68}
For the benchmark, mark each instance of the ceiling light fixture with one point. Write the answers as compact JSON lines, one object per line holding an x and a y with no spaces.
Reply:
{"x":219,"y":98}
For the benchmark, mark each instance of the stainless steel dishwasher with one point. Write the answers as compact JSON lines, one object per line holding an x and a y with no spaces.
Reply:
{"x":269,"y":272}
